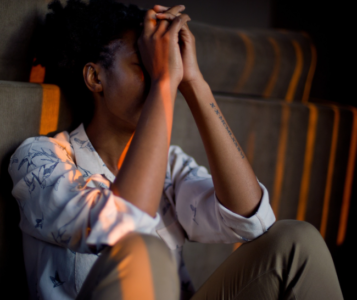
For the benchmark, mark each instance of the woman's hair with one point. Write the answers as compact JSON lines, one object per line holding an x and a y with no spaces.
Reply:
{"x":78,"y":33}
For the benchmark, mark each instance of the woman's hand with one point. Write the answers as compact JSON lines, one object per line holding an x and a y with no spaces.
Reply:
{"x":159,"y":47}
{"x":191,"y":71}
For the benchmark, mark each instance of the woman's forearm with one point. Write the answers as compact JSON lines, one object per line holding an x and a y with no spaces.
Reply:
{"x":235,"y":183}
{"x":141,"y":177}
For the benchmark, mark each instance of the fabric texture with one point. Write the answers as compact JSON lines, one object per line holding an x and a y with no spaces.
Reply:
{"x":137,"y":267}
{"x":68,"y":214}
{"x":290,"y":261}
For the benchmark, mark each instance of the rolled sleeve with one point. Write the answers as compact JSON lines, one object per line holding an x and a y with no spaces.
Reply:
{"x":200,"y":213}
{"x":249,"y":228}
{"x":115,"y":217}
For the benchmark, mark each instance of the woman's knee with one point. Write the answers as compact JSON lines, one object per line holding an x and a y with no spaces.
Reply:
{"x":136,"y":244}
{"x":146,"y":258}
{"x":135,"y":260}
{"x":295,"y":230}
{"x":293,"y":233}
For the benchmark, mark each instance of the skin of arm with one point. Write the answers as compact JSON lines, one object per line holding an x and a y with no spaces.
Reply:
{"x":140,"y":178}
{"x":235,"y":183}
{"x":142,"y":175}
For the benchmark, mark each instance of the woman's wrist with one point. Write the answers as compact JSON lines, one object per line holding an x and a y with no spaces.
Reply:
{"x":166,"y":88}
{"x":193,"y":88}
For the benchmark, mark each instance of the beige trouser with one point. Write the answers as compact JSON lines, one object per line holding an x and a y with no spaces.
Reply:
{"x":290,"y":261}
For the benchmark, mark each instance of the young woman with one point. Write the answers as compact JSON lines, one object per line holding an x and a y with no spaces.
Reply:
{"x":98,"y":226}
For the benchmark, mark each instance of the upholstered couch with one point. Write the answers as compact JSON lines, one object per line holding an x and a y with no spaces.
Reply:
{"x":303,"y":152}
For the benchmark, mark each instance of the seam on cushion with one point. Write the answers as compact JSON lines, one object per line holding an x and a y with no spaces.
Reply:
{"x":32,"y":86}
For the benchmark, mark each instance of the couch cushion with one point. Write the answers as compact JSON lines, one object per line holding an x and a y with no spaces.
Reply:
{"x":263,"y":63}
{"x":23,"y":111}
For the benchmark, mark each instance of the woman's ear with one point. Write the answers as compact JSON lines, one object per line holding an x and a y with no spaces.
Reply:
{"x":92,"y":78}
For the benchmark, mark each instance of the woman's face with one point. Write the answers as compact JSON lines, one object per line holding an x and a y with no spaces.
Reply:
{"x":125,"y":85}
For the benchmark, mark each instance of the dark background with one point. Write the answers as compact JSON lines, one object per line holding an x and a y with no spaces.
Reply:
{"x":330,"y":27}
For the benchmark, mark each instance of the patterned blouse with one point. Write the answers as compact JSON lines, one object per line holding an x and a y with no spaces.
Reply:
{"x":68,"y":213}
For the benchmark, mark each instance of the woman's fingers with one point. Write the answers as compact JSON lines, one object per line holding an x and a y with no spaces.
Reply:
{"x":172,"y":12}
{"x":164,"y":22}
{"x":178,"y":23}
{"x":160,"y":8}
{"x":168,"y":22}
{"x":175,"y":9}
{"x":150,"y":22}
{"x":166,"y":16}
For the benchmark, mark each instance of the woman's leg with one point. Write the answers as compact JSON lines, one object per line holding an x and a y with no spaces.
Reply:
{"x":137,"y":267}
{"x":290,"y":261}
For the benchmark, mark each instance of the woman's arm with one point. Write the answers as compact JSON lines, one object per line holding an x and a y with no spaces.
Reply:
{"x":141,"y":177}
{"x":235,"y":183}
{"x":234,"y":180}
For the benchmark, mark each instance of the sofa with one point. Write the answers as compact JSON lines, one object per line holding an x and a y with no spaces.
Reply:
{"x":303,"y":152}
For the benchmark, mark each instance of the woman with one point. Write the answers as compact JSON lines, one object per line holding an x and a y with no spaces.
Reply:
{"x":93,"y":223}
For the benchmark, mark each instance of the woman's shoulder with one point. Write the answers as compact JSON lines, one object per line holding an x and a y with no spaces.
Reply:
{"x":60,"y":139}
{"x":59,"y":145}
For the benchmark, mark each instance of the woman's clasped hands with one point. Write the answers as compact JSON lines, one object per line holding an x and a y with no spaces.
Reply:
{"x":167,"y":46}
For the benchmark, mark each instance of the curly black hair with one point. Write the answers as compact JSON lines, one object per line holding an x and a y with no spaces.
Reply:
{"x":78,"y":33}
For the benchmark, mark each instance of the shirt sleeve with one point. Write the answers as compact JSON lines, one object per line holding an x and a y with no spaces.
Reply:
{"x":201,"y":214}
{"x":58,"y":207}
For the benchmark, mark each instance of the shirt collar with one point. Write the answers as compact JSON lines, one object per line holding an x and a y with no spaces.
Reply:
{"x":87,"y":159}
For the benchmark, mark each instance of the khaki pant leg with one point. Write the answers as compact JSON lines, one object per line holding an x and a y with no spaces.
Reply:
{"x":137,"y":267}
{"x":290,"y":261}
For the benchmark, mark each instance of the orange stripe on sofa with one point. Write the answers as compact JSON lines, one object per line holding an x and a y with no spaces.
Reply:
{"x":280,"y":160}
{"x":297,"y":72}
{"x":249,"y":63}
{"x":37,"y":74}
{"x":330,"y":170}
{"x":309,"y":155}
{"x":310,"y":75}
{"x":274,"y":74}
{"x":349,"y":181}
{"x":50,"y":108}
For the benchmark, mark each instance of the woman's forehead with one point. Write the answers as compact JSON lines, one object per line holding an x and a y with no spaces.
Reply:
{"x":129,"y":41}
{"x":124,"y":46}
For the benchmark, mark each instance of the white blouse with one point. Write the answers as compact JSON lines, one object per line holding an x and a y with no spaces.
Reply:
{"x":68,"y":213}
